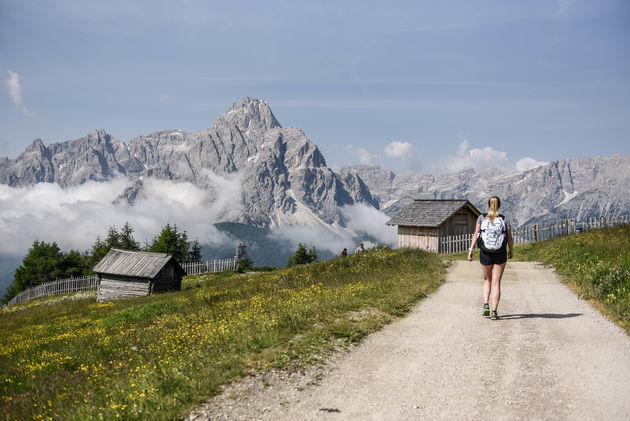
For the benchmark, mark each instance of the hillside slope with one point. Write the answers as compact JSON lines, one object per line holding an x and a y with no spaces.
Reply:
{"x":156,"y":357}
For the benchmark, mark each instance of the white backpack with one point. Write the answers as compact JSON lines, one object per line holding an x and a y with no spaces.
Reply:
{"x":492,"y":236}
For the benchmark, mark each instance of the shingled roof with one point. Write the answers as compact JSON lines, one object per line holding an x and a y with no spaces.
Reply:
{"x":429,"y":213}
{"x":133,"y":263}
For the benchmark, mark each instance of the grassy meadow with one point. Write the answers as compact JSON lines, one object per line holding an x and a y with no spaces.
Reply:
{"x":157,"y":357}
{"x":595,"y":264}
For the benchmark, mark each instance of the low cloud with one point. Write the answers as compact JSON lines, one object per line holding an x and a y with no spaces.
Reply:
{"x":477,"y":158}
{"x":363,"y":224}
{"x":527,"y":163}
{"x":74,"y":217}
{"x":483,"y":158}
{"x":362,"y":154}
{"x":397,"y":149}
{"x":364,"y":219}
{"x":16,"y":94}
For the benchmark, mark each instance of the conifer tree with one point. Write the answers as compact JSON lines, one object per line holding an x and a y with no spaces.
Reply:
{"x":172,"y":241}
{"x":195,"y":251}
{"x":302,"y":256}
{"x":126,"y":240}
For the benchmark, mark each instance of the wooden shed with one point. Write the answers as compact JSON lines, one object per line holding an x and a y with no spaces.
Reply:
{"x":124,"y":273}
{"x":424,"y":222}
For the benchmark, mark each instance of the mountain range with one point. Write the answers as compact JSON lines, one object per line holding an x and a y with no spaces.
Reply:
{"x":569,"y":188}
{"x":284,"y":177}
{"x":285,"y":180}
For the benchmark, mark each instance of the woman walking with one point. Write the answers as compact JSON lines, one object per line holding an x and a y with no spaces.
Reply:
{"x":492,"y":235}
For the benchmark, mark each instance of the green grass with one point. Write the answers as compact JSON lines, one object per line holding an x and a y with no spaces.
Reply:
{"x":595,"y":264}
{"x":156,"y":357}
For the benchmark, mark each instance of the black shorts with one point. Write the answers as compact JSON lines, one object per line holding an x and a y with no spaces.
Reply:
{"x":492,"y":258}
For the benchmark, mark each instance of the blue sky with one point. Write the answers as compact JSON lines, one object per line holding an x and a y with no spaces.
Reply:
{"x":428,"y":86}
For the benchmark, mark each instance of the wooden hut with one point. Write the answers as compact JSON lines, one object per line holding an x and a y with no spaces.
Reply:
{"x":424,"y":222}
{"x":124,"y":273}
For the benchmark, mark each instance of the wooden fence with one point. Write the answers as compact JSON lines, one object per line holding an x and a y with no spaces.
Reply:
{"x":536,"y":232}
{"x":61,"y":286}
{"x":212,"y":266}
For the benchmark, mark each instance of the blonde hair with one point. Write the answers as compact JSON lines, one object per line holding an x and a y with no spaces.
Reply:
{"x":494,"y":203}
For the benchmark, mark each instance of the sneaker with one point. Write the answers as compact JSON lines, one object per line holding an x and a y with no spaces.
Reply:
{"x":494,"y":315}
{"x":486,"y":310}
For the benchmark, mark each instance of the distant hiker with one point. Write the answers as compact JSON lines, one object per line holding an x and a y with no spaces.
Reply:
{"x":360,"y":249}
{"x":492,"y":235}
{"x":344,"y":253}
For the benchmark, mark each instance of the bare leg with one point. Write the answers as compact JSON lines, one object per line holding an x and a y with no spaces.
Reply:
{"x":487,"y":277}
{"x":497,"y":274}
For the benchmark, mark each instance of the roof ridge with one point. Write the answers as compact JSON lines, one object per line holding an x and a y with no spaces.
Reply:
{"x":152,"y":253}
{"x":430,"y":214}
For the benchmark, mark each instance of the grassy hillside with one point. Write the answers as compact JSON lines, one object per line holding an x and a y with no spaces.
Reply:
{"x":596,"y":264}
{"x":156,"y":357}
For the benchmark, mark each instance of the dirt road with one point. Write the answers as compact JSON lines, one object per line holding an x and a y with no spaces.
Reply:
{"x":551,"y":356}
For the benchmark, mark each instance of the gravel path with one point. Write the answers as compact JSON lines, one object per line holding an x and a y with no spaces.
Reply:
{"x":551,"y":356}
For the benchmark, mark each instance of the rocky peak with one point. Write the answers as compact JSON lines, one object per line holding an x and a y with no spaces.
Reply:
{"x":36,"y":146}
{"x":250,"y":114}
{"x":98,"y":135}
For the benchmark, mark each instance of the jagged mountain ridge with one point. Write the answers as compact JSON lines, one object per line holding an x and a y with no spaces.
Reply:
{"x":568,"y":188}
{"x":284,"y":176}
{"x":285,"y":179}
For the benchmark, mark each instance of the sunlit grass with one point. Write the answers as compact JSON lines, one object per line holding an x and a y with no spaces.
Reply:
{"x":596,"y":264}
{"x":156,"y":357}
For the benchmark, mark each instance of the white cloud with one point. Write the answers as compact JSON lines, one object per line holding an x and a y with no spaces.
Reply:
{"x":361,"y":221}
{"x":362,"y":218}
{"x":15,"y":91}
{"x":483,"y":158}
{"x":397,"y":149}
{"x":477,"y":158}
{"x":74,"y":217}
{"x":527,"y":163}
{"x":363,"y":155}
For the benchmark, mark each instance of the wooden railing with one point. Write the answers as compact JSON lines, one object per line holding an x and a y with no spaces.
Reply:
{"x":537,"y":232}
{"x":61,"y":286}
{"x":212,"y":266}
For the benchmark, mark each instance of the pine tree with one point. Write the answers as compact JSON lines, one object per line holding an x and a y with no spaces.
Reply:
{"x":302,"y":256}
{"x":312,"y":255}
{"x":113,"y":238}
{"x":98,"y":251}
{"x":126,"y":240}
{"x":195,"y":251}
{"x":73,"y":263}
{"x":40,"y":265}
{"x":170,"y":240}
